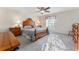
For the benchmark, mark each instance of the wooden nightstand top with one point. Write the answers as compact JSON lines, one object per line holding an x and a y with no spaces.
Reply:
{"x":15,"y":30}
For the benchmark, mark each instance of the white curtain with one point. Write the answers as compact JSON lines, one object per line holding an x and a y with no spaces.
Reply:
{"x":50,"y":23}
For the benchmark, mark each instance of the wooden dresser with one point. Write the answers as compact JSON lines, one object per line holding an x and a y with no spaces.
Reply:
{"x":15,"y":30}
{"x":75,"y":30}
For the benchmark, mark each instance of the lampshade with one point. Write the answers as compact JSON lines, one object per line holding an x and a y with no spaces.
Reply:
{"x":37,"y":23}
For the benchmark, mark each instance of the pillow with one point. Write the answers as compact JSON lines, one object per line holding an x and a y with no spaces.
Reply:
{"x":27,"y":27}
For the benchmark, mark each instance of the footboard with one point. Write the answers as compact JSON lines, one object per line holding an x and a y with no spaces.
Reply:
{"x":39,"y":35}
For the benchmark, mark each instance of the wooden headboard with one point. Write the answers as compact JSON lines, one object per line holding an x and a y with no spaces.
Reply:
{"x":27,"y":22}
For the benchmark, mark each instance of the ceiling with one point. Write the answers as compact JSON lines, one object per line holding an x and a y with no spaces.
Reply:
{"x":33,"y":10}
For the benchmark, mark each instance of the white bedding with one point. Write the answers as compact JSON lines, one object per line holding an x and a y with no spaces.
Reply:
{"x":38,"y":29}
{"x":31,"y":29}
{"x":31,"y":32}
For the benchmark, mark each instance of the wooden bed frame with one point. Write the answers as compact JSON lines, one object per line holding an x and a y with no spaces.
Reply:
{"x":39,"y":35}
{"x":29,"y":22}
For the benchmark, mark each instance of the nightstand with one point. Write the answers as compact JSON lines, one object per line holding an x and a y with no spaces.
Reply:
{"x":15,"y":30}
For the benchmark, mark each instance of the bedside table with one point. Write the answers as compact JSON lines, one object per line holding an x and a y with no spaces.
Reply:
{"x":15,"y":30}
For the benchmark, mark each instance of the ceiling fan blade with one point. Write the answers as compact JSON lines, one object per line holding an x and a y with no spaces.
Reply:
{"x":46,"y":8}
{"x":42,"y":8}
{"x":38,"y":7}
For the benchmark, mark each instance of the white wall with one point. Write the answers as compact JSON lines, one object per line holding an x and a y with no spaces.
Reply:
{"x":9,"y":17}
{"x":64,"y":20}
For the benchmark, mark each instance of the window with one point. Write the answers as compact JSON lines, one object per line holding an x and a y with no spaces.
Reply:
{"x":50,"y":23}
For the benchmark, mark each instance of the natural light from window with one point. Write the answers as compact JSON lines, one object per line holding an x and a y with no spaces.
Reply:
{"x":50,"y":23}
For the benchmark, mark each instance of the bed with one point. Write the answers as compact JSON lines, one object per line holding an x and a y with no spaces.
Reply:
{"x":35,"y":32}
{"x":8,"y":41}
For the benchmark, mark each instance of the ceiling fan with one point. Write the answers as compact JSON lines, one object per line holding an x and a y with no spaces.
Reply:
{"x":43,"y":10}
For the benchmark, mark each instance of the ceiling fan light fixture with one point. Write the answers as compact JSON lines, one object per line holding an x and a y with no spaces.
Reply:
{"x":43,"y":10}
